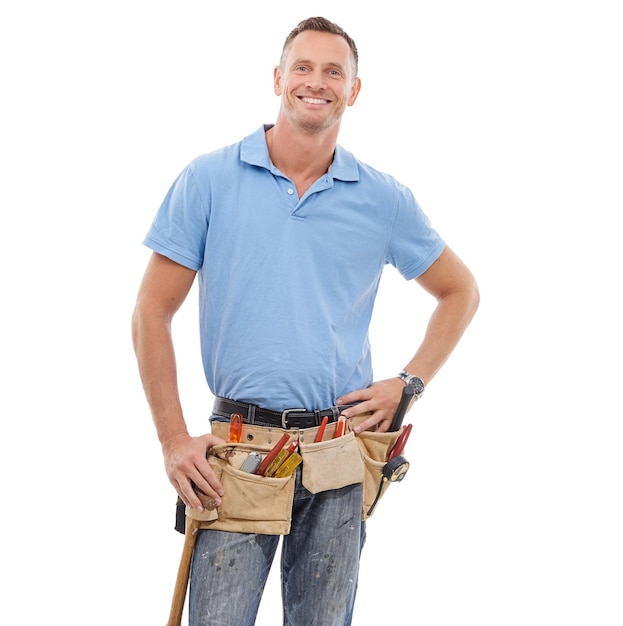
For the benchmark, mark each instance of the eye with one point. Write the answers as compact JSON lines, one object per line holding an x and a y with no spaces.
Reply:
{"x":300,"y":68}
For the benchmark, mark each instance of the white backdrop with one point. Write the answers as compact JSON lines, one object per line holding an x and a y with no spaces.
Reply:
{"x":504,"y":119}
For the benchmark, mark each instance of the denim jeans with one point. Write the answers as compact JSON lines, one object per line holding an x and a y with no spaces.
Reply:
{"x":319,"y":565}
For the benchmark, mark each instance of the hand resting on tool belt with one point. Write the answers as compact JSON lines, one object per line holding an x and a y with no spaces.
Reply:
{"x":380,"y":399}
{"x":185,"y":463}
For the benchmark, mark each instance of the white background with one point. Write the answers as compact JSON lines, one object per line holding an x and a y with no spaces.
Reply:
{"x":505,"y":120}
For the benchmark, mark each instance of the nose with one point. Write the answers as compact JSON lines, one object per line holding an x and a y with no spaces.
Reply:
{"x":316,"y":80}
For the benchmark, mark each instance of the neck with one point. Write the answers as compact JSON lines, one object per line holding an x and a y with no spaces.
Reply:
{"x":300,"y":155}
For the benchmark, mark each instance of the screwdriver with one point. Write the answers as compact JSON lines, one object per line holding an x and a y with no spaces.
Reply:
{"x":235,"y":428}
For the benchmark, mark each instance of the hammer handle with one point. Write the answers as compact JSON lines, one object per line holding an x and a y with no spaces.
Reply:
{"x":401,"y":411}
{"x":183,"y":573}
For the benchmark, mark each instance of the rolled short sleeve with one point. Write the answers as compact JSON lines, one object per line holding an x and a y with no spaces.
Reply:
{"x":414,"y":244}
{"x":179,"y":229}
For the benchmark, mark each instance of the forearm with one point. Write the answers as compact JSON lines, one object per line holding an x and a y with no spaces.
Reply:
{"x":446,"y":326}
{"x":456,"y":293}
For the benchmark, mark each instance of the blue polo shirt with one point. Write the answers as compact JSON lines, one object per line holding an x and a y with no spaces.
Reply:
{"x":287,"y":284}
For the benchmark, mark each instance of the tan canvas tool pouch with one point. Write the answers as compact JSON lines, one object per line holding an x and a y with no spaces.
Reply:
{"x":374,"y":448}
{"x":252,"y":503}
{"x":259,"y":504}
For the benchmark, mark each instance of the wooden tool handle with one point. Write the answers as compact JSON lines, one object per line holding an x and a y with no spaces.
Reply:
{"x":183,"y":573}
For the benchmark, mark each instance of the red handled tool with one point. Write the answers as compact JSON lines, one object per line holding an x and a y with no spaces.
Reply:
{"x":323,"y":425}
{"x":399,"y":446}
{"x":270,"y":457}
{"x":340,"y":427}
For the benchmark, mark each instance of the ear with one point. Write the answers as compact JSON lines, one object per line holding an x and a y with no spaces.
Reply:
{"x":354,"y":91}
{"x":277,"y":79}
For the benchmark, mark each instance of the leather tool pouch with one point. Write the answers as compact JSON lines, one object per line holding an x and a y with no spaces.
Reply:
{"x":374,"y":448}
{"x":257,"y":504}
{"x":252,"y":503}
{"x":332,"y":463}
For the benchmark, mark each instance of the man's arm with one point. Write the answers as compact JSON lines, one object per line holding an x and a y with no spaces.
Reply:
{"x":451,"y":283}
{"x":164,"y":288}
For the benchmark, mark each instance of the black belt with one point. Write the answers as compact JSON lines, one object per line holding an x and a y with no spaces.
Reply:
{"x":290,"y":418}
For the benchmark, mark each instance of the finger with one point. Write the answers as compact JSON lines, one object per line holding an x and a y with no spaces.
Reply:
{"x":197,"y":485}
{"x":383,"y":425}
{"x":361,"y":408}
{"x":208,"y":483}
{"x":188,"y":495}
{"x":196,"y":498}
{"x":359,"y":395}
{"x":376,"y":421}
{"x":213,"y":440}
{"x":207,"y":502}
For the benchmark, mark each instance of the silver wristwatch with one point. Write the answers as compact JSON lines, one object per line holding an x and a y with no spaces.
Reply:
{"x":414,"y":381}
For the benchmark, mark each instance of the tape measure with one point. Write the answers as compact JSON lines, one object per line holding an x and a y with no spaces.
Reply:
{"x":395,"y":469}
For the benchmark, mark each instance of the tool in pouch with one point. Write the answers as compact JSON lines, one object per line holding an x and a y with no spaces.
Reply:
{"x":235,"y":428}
{"x":397,"y":466}
{"x":281,"y":461}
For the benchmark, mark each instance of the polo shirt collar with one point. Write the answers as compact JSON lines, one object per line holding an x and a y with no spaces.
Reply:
{"x":254,"y":151}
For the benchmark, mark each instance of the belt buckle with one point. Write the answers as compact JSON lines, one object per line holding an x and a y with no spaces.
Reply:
{"x":284,"y":416}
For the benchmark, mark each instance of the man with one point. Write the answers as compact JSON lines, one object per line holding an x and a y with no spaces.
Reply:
{"x":289,"y":235}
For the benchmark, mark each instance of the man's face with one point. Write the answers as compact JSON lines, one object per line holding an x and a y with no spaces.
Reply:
{"x":316,"y":81}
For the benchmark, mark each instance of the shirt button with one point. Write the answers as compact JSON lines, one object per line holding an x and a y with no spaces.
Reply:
{"x":290,"y":191}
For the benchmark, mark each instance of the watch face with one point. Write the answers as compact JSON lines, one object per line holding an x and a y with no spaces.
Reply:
{"x":417,"y":385}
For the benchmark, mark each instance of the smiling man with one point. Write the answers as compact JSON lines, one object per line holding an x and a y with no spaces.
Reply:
{"x":289,"y":234}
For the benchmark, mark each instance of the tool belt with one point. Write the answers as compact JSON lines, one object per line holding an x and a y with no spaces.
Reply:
{"x":259,"y":504}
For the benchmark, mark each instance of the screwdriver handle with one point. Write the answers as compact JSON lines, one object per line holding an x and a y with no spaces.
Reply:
{"x":235,"y":428}
{"x":323,"y":425}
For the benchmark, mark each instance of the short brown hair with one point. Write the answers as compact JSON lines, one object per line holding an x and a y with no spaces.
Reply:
{"x":321,"y":25}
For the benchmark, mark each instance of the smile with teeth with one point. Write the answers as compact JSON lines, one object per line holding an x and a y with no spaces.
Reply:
{"x":314,"y":100}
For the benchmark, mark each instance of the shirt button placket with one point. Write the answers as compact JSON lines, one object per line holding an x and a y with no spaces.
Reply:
{"x":293,"y":200}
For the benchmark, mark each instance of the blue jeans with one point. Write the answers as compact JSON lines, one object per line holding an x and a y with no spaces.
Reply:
{"x":319,"y":565}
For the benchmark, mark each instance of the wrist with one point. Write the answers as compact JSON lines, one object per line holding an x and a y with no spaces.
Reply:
{"x":172,"y":440}
{"x":416,"y":383}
